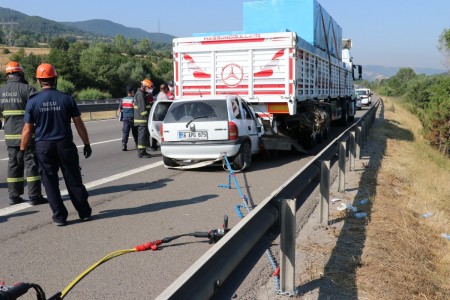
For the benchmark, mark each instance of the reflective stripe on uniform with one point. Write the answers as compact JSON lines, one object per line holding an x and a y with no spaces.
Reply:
{"x":13,"y":113}
{"x":141,"y":147}
{"x":144,"y":113}
{"x":18,"y":179}
{"x":140,"y":121}
{"x":13,"y":136}
{"x":33,"y":178}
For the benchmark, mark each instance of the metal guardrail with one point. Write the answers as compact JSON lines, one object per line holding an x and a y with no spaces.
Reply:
{"x":221,"y":270}
{"x":98,"y":105}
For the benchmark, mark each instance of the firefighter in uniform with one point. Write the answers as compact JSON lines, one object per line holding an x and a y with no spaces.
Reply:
{"x":13,"y":98}
{"x":48,"y":115}
{"x":141,"y":111}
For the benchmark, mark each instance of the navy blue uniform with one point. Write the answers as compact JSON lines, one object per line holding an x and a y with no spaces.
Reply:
{"x":13,"y":97}
{"x":51,"y":112}
{"x":126,"y":107}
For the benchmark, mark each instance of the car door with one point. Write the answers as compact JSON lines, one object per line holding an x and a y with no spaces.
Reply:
{"x":251,"y":126}
{"x":157,"y":114}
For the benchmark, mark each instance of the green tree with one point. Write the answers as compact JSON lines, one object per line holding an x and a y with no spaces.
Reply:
{"x":60,"y":59}
{"x":30,"y":64}
{"x":59,"y":43}
{"x":18,"y":56}
{"x":143,"y":47}
{"x":65,"y":86}
{"x":25,"y":41}
{"x":444,"y":44}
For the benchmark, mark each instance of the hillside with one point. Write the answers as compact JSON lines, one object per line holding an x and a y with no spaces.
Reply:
{"x":43,"y":30}
{"x":37,"y":27}
{"x":375,"y":72}
{"x":108,"y":28}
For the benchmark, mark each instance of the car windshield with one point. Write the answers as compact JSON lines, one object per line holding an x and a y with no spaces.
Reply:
{"x":202,"y":110}
{"x":362,"y":92}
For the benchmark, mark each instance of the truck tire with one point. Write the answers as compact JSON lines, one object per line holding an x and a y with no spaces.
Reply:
{"x":344,"y":118}
{"x":243,"y":159}
{"x":352,"y":118}
{"x":168,"y":162}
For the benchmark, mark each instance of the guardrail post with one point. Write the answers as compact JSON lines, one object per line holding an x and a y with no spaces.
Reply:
{"x":352,"y":150}
{"x":325,"y":192}
{"x":363,"y":133}
{"x":90,"y":116}
{"x":358,"y":142}
{"x":287,"y":246}
{"x":342,"y":158}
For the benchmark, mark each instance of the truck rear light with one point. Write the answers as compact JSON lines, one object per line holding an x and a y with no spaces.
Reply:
{"x":161,"y":133}
{"x":233,"y":131}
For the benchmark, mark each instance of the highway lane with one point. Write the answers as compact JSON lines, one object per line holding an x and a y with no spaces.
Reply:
{"x":142,"y":202}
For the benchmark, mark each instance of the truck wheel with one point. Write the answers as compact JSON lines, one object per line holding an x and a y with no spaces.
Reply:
{"x":344,"y":117}
{"x":243,"y":159}
{"x":352,"y":118}
{"x":168,"y":162}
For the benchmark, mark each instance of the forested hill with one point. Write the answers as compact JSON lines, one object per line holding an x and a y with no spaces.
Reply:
{"x":108,"y":28}
{"x":40,"y":30}
{"x":37,"y":28}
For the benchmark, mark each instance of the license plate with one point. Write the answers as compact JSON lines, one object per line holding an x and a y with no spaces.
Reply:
{"x":192,"y":135}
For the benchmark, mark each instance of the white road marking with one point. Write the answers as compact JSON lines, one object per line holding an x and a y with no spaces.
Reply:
{"x":18,"y":207}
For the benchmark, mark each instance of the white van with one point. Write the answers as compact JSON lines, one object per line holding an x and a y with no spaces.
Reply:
{"x":366,"y":96}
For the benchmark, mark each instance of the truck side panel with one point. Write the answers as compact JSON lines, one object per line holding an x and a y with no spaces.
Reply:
{"x":272,"y":68}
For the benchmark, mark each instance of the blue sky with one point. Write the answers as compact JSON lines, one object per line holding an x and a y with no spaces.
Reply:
{"x":392,"y":33}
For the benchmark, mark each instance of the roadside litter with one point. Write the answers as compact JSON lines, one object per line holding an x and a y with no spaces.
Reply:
{"x":426,"y":215}
{"x":446,"y":236}
{"x":348,"y":207}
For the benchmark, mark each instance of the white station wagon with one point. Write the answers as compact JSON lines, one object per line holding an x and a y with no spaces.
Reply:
{"x":199,"y":131}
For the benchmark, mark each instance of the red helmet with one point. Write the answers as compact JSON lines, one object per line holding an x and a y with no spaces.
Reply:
{"x":147,"y":83}
{"x":13,"y":67}
{"x":46,"y":71}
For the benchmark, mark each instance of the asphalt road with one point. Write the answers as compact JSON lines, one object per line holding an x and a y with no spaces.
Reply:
{"x":134,"y":201}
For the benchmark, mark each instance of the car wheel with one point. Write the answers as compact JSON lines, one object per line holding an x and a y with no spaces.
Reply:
{"x":168,"y":162}
{"x":243,"y":159}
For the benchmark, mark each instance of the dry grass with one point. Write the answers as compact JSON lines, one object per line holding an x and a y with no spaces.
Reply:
{"x":404,"y":255}
{"x":4,"y":58}
{"x":101,"y":115}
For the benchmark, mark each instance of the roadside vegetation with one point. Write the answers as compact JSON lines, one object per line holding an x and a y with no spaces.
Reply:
{"x":95,"y":70}
{"x":406,"y":255}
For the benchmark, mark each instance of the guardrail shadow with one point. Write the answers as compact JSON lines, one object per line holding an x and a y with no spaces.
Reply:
{"x":339,"y":276}
{"x":151,"y":207}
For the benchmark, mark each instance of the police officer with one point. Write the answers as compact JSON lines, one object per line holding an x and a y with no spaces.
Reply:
{"x":141,"y":111}
{"x":13,"y":98}
{"x":48,"y":115}
{"x":126,"y":109}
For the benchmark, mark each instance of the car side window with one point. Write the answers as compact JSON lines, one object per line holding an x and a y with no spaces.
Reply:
{"x":247,"y":111}
{"x":161,"y":111}
{"x":235,"y":108}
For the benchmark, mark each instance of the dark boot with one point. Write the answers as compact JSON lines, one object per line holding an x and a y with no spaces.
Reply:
{"x":124,"y":147}
{"x":143,"y":154}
